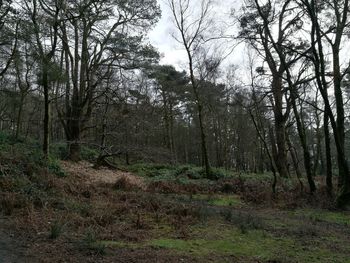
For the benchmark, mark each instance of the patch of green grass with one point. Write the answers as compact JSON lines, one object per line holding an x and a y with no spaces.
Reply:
{"x":256,"y":244}
{"x":91,"y":243}
{"x":219,"y":200}
{"x":237,"y":244}
{"x":337,"y":217}
{"x":119,"y":244}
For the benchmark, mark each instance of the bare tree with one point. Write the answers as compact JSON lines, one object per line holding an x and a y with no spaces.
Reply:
{"x":193,"y":26}
{"x":44,"y":17}
{"x":93,"y":48}
{"x":332,"y":35}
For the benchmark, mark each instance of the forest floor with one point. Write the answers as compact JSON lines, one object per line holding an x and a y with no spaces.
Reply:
{"x":104,"y":215}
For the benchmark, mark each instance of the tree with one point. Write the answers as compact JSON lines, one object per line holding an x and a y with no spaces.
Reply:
{"x":9,"y":27}
{"x":99,"y":48}
{"x":170,"y":83}
{"x":193,"y":28}
{"x":337,"y":11}
{"x":256,"y":25}
{"x":44,"y":18}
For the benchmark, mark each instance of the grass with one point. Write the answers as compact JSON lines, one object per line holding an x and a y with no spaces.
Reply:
{"x":219,"y":200}
{"x":182,"y":173}
{"x":222,"y":240}
{"x":257,"y":244}
{"x":56,"y":229}
{"x":316,"y":215}
{"x":90,"y":243}
{"x":25,"y":157}
{"x":202,"y":224}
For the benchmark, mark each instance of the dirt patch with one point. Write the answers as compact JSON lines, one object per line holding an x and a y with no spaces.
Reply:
{"x":92,"y":176}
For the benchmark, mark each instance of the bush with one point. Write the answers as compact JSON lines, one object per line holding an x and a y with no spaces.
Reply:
{"x":90,"y":242}
{"x":55,"y":168}
{"x":189,"y":171}
{"x":59,"y":150}
{"x":56,"y":229}
{"x":88,"y":154}
{"x":4,"y":139}
{"x":215,"y":174}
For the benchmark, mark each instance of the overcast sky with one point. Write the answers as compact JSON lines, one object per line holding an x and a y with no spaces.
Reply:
{"x":161,"y":38}
{"x":172,"y":52}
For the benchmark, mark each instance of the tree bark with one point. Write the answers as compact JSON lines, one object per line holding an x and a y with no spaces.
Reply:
{"x":46,"y":87}
{"x":327,"y":138}
{"x":303,"y":141}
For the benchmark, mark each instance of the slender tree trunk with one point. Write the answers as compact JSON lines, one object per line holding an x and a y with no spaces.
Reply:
{"x":203,"y":141}
{"x":272,"y":160}
{"x":200,"y":116}
{"x":73,"y":135}
{"x":337,"y":124}
{"x":281,"y":159}
{"x":19,"y":115}
{"x":172,"y":137}
{"x":295,"y":162}
{"x":46,"y":143}
{"x":261,"y":135}
{"x":327,"y":138}
{"x":303,"y":141}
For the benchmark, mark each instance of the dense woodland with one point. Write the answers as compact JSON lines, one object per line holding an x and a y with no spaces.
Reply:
{"x":82,"y":73}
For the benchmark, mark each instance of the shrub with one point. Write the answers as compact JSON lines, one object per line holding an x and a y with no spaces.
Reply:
{"x":189,"y":171}
{"x":59,"y":150}
{"x":55,"y":168}
{"x":90,"y":242}
{"x":88,"y":154}
{"x":56,"y":229}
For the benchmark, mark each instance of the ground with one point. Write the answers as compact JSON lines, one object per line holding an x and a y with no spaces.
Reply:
{"x":158,"y":216}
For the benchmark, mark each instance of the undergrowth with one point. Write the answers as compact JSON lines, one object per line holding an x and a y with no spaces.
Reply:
{"x":25,"y":174}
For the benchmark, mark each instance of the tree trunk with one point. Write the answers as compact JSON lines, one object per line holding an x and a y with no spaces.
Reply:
{"x":343,"y":197}
{"x":303,"y":141}
{"x":281,"y":159}
{"x":46,"y":143}
{"x":203,"y":141}
{"x":327,"y":138}
{"x":19,"y":115}
{"x":295,"y":162}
